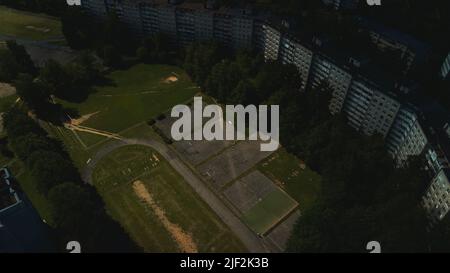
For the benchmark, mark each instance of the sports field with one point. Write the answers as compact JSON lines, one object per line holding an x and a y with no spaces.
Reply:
{"x":156,"y":206}
{"x":25,"y":25}
{"x":270,"y":211}
{"x":133,"y":96}
{"x":260,"y":202}
{"x":292,"y":175}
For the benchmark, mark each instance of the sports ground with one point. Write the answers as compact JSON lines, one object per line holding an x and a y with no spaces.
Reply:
{"x":164,"y":214}
{"x":153,"y":203}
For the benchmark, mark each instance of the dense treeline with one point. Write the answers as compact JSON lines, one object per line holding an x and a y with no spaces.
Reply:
{"x":52,"y":7}
{"x":364,"y":197}
{"x":78,"y":212}
{"x":71,"y":82}
{"x":14,"y":60}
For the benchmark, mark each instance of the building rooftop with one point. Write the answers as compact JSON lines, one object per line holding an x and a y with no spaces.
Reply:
{"x":8,"y":197}
{"x":421,"y":49}
{"x":21,"y":228}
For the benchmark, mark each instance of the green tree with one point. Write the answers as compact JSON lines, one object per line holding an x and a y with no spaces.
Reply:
{"x":52,"y":170}
{"x":55,"y":78}
{"x":9,"y":68}
{"x":34,"y":94}
{"x":111,"y":56}
{"x":22,"y":57}
{"x":17,"y":123}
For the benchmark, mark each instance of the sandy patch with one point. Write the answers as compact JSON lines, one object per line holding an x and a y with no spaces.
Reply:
{"x":40,"y":29}
{"x":83,"y":118}
{"x":184,"y":240}
{"x":171,"y":79}
{"x":6,"y":90}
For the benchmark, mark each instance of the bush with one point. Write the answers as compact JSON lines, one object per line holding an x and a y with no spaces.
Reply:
{"x":161,"y":116}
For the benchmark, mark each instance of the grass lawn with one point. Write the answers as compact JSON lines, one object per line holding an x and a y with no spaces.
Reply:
{"x":26,"y":25}
{"x":300,"y":182}
{"x":7,"y":102}
{"x":114,"y":178}
{"x":269,"y":211}
{"x":134,"y":95}
{"x":40,"y":202}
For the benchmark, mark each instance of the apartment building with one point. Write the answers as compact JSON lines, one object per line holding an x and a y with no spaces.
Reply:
{"x":185,"y":25}
{"x":368,"y":108}
{"x":149,"y":14}
{"x":437,"y":198}
{"x":242,"y":28}
{"x":204,"y":25}
{"x":338,"y":77}
{"x":21,"y":228}
{"x":406,"y":137}
{"x":94,"y":7}
{"x":292,"y":52}
{"x":271,"y":42}
{"x":411,"y":50}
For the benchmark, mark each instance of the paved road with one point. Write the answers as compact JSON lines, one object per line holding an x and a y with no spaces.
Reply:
{"x":43,"y":50}
{"x":47,"y":43}
{"x":253,"y":243}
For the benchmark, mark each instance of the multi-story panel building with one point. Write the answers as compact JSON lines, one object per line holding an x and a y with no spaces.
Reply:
{"x":185,"y":25}
{"x":271,"y":42}
{"x":131,"y":16}
{"x":168,"y":22}
{"x":292,"y":52}
{"x":406,"y":137}
{"x":94,"y":7}
{"x":437,"y":198}
{"x":149,"y":14}
{"x":369,"y":107}
{"x":338,"y":77}
{"x":204,"y":25}
{"x":411,"y":50}
{"x":21,"y":228}
{"x":223,"y":25}
{"x":242,"y":28}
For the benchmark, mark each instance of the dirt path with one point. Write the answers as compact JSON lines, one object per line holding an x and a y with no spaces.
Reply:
{"x":6,"y":90}
{"x":184,"y":240}
{"x":83,"y":118}
{"x":92,"y":131}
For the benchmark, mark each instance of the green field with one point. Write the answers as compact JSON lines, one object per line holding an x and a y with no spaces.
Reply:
{"x":25,"y":25}
{"x":133,"y":96}
{"x":274,"y":207}
{"x":7,"y":102}
{"x":114,"y":177}
{"x":288,"y":172}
